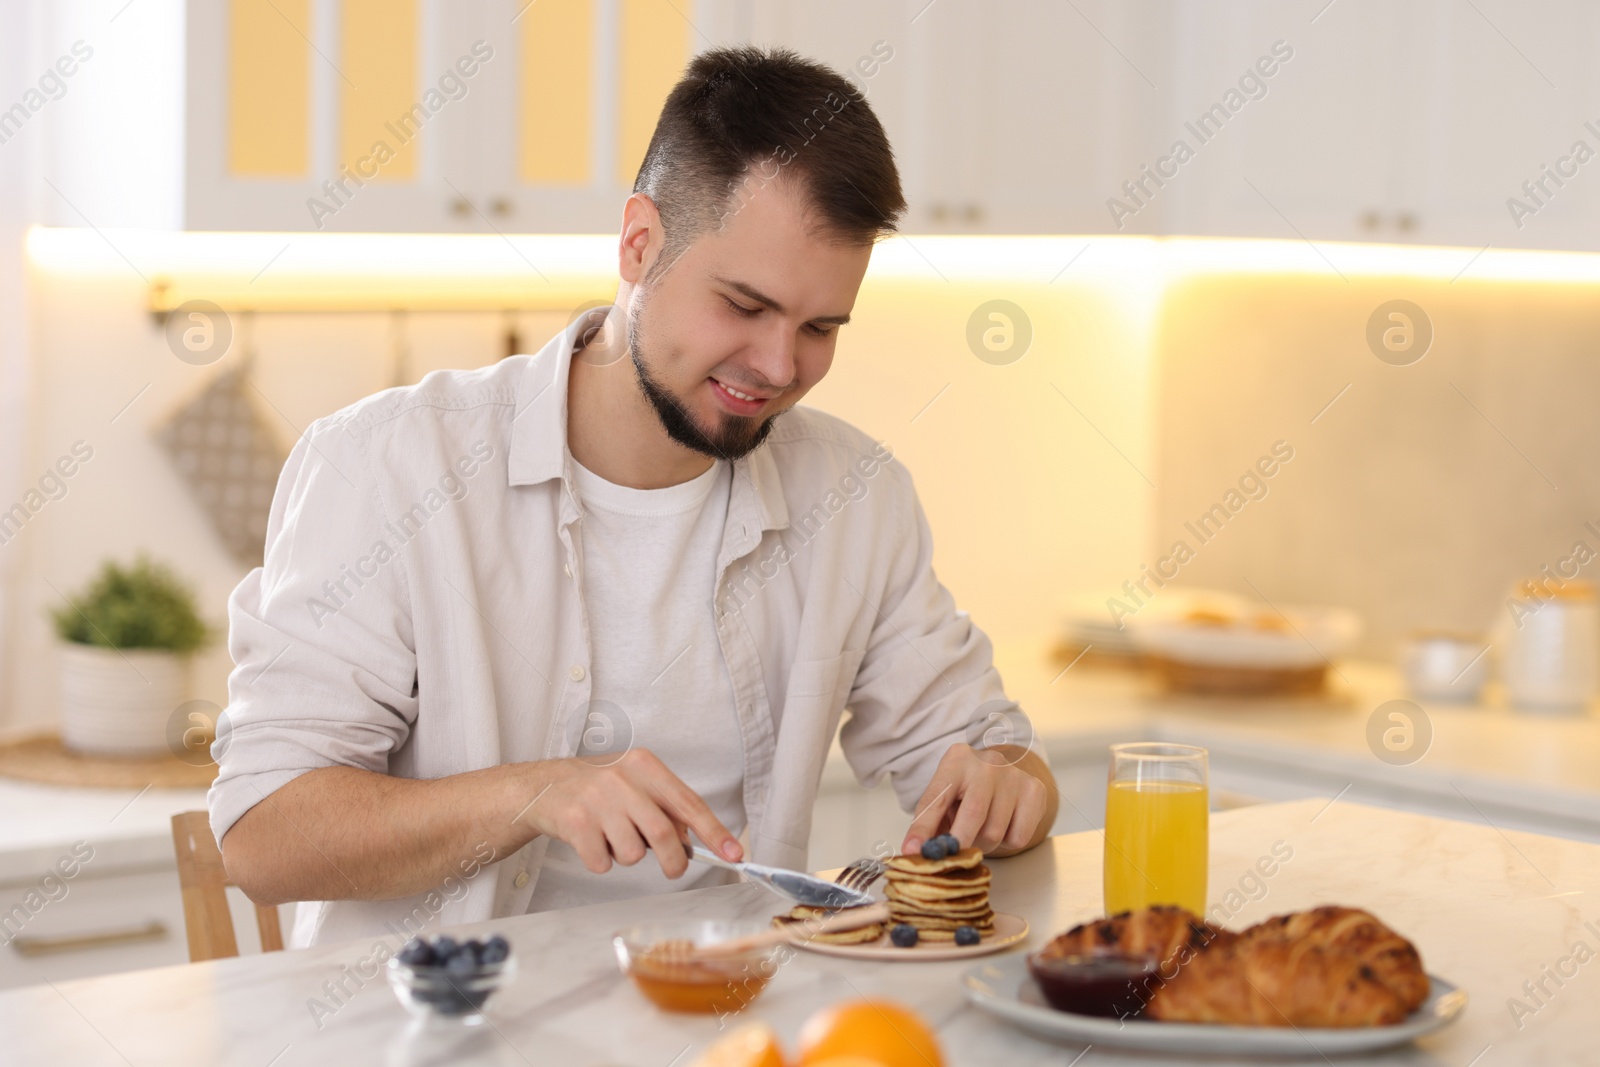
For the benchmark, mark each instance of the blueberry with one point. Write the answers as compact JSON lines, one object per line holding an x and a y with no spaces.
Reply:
{"x":496,"y":950}
{"x":934,"y":849}
{"x":903,"y":935}
{"x":951,"y":844}
{"x":417,"y":953}
{"x":444,"y":948}
{"x":462,"y":964}
{"x":474,"y":949}
{"x":967,"y":935}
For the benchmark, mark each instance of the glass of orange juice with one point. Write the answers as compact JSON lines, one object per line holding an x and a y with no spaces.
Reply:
{"x":1157,"y":827}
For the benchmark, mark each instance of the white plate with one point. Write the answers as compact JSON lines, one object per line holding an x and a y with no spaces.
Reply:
{"x":1008,"y":931}
{"x":1005,"y":988}
{"x":1313,"y":636}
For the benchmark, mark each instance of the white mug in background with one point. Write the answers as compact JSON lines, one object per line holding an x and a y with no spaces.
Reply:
{"x":1445,"y":667}
{"x":1550,"y":655}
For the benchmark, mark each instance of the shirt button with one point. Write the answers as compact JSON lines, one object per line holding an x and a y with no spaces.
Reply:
{"x":576,"y":673}
{"x":520,"y":880}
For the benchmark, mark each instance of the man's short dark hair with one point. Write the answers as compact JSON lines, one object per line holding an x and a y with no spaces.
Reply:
{"x":742,"y":118}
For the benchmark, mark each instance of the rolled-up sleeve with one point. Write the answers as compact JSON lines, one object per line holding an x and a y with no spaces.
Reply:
{"x":320,"y":634}
{"x":927,"y":680}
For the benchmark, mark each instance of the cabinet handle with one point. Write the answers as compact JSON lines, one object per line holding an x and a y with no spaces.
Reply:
{"x":154,"y":930}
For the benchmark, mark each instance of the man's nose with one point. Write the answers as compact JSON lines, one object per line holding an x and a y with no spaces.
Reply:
{"x":773,"y":357}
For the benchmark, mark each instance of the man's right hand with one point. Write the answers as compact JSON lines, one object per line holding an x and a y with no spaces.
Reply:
{"x":612,"y":808}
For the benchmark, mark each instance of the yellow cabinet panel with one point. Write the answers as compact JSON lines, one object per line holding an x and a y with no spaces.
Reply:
{"x":269,"y":88}
{"x":654,"y":47}
{"x":556,"y":96}
{"x":378,"y":54}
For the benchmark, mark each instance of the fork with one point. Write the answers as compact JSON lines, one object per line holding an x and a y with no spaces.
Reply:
{"x":861,"y":874}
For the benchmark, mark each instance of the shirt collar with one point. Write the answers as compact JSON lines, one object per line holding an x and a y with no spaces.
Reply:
{"x":538,"y":450}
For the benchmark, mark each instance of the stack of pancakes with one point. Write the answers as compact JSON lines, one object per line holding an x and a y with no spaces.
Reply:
{"x":802,"y":913}
{"x":936,"y":896}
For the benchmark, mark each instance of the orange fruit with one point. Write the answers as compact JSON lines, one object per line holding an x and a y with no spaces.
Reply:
{"x":751,"y":1045}
{"x":880,"y":1031}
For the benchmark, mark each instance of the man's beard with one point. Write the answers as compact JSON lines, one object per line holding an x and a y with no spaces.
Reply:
{"x":738,"y":435}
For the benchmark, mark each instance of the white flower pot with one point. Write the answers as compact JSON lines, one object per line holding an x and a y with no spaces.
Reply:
{"x":118,"y":702}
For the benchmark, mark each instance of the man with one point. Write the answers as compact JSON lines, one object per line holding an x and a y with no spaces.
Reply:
{"x":519,"y":631}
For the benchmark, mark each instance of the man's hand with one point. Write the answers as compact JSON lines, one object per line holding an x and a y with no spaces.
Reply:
{"x":612,"y":808}
{"x":1001,"y":799}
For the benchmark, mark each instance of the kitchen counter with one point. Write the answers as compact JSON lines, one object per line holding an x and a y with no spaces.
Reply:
{"x":117,"y":846}
{"x":1485,"y":763}
{"x":1486,"y":741}
{"x":125,"y":827}
{"x":1489,"y":910}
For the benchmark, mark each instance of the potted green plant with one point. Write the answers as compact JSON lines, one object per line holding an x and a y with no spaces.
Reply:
{"x":127,"y":641}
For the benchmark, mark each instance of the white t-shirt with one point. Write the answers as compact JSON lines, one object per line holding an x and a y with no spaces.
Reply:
{"x":649,"y":570}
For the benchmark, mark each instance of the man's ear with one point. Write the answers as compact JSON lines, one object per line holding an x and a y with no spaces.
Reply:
{"x":641,"y":240}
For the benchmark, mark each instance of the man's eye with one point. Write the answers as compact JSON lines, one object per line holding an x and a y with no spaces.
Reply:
{"x":740,"y":308}
{"x":819,"y":331}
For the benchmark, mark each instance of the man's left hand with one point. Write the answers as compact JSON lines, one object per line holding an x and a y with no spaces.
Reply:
{"x":1001,"y":799}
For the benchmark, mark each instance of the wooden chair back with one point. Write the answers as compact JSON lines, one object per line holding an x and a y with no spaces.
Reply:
{"x":205,"y":904}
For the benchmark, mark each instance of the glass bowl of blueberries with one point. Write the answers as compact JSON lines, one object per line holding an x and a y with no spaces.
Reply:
{"x":449,"y":979}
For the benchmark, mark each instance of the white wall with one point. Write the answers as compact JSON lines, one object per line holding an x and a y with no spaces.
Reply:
{"x":112,"y":144}
{"x":18,"y":170}
{"x":101,"y":146}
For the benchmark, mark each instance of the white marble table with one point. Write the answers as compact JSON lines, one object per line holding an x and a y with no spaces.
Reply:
{"x":1488,"y":911}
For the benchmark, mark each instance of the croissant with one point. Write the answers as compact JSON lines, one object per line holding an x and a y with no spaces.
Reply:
{"x":1276,"y":983}
{"x":1392,"y":959}
{"x":1328,"y":967}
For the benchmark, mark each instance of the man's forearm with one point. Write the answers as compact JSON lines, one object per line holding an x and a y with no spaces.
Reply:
{"x":338,"y":833}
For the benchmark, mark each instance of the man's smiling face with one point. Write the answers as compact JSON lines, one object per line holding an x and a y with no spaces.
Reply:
{"x":741,"y":327}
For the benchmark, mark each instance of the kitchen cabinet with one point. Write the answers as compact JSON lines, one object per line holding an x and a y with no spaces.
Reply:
{"x":546,"y":131}
{"x":89,"y":883}
{"x":1005,"y":118}
{"x":1414,"y":121}
{"x":1370,"y":120}
{"x":107,"y":921}
{"x":466,"y":116}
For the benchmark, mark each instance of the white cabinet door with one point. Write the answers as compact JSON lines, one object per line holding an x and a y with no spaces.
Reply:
{"x":105,"y":922}
{"x":1508,"y":92}
{"x":1394,"y":120}
{"x":1294,"y":125}
{"x":1016,"y":117}
{"x":1073,"y":100}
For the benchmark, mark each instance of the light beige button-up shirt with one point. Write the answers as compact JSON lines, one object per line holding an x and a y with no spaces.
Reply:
{"x":419,"y":613}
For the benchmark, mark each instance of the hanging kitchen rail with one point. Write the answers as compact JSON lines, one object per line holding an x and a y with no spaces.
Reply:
{"x":368,"y":295}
